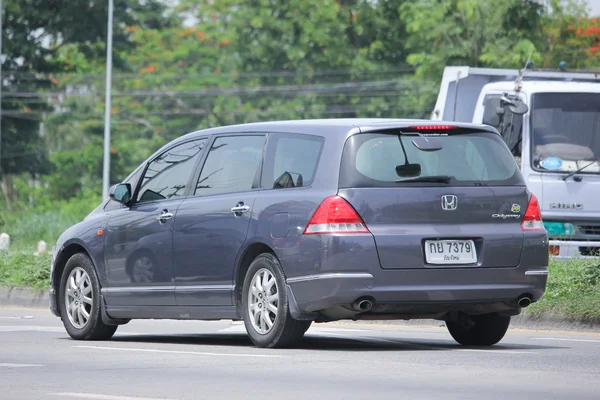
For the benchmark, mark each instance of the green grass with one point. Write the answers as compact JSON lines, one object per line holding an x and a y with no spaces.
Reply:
{"x":45,"y":222}
{"x":24,"y":269}
{"x":33,"y":227}
{"x":573,"y":290}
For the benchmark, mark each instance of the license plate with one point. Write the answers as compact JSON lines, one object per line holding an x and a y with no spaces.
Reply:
{"x":450,"y":252}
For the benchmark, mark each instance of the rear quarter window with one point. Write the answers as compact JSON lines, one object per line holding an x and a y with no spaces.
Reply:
{"x":370,"y":160}
{"x":292,"y":160}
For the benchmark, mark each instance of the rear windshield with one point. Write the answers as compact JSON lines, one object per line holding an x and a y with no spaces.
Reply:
{"x":373,"y":160}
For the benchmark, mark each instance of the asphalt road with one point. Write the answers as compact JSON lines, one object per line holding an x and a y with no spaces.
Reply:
{"x":215,"y":360}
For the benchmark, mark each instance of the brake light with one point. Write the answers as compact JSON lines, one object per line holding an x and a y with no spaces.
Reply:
{"x":532,"y":220}
{"x":432,"y":128}
{"x":335,"y":215}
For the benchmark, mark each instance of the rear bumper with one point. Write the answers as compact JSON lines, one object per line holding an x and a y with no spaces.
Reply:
{"x":571,"y":249}
{"x":412,"y":288}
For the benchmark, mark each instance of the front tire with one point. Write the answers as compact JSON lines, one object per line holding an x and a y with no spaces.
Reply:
{"x":265,"y":305}
{"x":488,"y":330}
{"x":79,"y":301}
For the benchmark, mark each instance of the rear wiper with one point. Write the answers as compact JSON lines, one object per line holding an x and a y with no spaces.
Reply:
{"x":433,"y":178}
{"x":570,"y":174}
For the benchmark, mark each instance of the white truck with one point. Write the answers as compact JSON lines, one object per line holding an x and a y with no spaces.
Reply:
{"x":551,"y":122}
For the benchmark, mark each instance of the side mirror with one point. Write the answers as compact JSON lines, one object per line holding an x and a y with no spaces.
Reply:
{"x":516,"y":106}
{"x":519,"y":108}
{"x":121,"y":193}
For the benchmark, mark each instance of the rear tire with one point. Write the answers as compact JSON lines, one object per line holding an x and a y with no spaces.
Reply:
{"x":265,"y":306}
{"x":488,"y":330}
{"x":79,"y":301}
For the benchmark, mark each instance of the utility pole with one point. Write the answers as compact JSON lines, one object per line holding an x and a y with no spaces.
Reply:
{"x":107,"y":103}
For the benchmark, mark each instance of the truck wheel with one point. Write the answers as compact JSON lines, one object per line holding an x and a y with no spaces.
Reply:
{"x":488,"y":330}
{"x":79,"y":301}
{"x":265,"y":305}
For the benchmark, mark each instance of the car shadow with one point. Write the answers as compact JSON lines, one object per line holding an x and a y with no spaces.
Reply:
{"x":325,"y":342}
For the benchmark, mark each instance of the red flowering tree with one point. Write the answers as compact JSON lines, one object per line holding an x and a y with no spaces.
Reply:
{"x":573,"y":37}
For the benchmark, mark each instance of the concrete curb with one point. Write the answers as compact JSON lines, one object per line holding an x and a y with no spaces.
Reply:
{"x":24,"y":297}
{"x":32,"y":298}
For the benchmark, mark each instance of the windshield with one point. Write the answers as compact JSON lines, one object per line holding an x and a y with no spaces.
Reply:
{"x":565,"y":132}
{"x":380,"y":160}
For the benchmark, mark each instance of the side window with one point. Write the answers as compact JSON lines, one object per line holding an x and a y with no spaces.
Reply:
{"x":167,"y":175}
{"x":508,"y":124}
{"x":233,"y":165}
{"x":292,"y":160}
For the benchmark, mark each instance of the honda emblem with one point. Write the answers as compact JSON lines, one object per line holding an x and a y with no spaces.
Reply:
{"x":449,"y":202}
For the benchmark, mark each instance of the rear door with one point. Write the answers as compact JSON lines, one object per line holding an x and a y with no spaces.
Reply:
{"x":212,"y":224}
{"x":473,"y":219}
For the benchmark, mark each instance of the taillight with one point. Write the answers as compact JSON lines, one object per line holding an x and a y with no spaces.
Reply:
{"x":335,"y":215}
{"x":431,"y":128}
{"x":532,"y":220}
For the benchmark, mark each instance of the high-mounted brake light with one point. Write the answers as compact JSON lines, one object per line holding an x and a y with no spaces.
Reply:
{"x":532,"y":220}
{"x":431,"y":128}
{"x":335,"y":215}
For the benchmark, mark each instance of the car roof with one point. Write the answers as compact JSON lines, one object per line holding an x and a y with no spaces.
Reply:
{"x":334,"y":125}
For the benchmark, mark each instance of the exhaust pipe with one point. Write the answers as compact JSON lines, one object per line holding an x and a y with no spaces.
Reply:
{"x":362,"y":305}
{"x":524,"y":302}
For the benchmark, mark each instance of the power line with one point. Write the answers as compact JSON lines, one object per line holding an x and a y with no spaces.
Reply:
{"x":258,"y":74}
{"x":253,"y":90}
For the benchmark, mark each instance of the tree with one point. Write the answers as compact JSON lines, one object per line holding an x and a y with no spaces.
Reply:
{"x":313,"y":58}
{"x":484,"y":33}
{"x":34,"y":32}
{"x":571,"y":36}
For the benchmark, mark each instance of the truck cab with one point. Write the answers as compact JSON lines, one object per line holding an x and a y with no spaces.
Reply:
{"x":551,"y":123}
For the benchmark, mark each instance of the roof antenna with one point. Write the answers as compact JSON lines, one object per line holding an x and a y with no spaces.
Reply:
{"x":528,"y":65}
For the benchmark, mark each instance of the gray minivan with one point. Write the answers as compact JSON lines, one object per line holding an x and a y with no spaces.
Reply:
{"x":281,"y":224}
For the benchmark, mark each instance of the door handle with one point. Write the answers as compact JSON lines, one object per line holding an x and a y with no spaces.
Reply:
{"x":164,"y":216}
{"x":240,"y":208}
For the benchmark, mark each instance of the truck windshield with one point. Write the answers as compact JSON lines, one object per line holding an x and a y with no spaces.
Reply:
{"x":565,"y":131}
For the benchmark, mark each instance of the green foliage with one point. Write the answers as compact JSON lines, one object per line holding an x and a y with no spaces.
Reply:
{"x":47,"y":220}
{"x":24,"y":269}
{"x":37,"y":37}
{"x":477,"y":33}
{"x":573,"y":291}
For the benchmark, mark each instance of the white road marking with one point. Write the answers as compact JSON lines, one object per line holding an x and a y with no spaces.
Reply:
{"x":25,"y":328}
{"x":34,"y":328}
{"x":198,"y":353}
{"x":101,"y":396}
{"x":567,"y":340}
{"x":499,"y":351}
{"x":9,"y":365}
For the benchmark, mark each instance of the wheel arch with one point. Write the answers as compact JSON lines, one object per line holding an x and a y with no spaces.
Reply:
{"x":68,"y":251}
{"x":252,"y":251}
